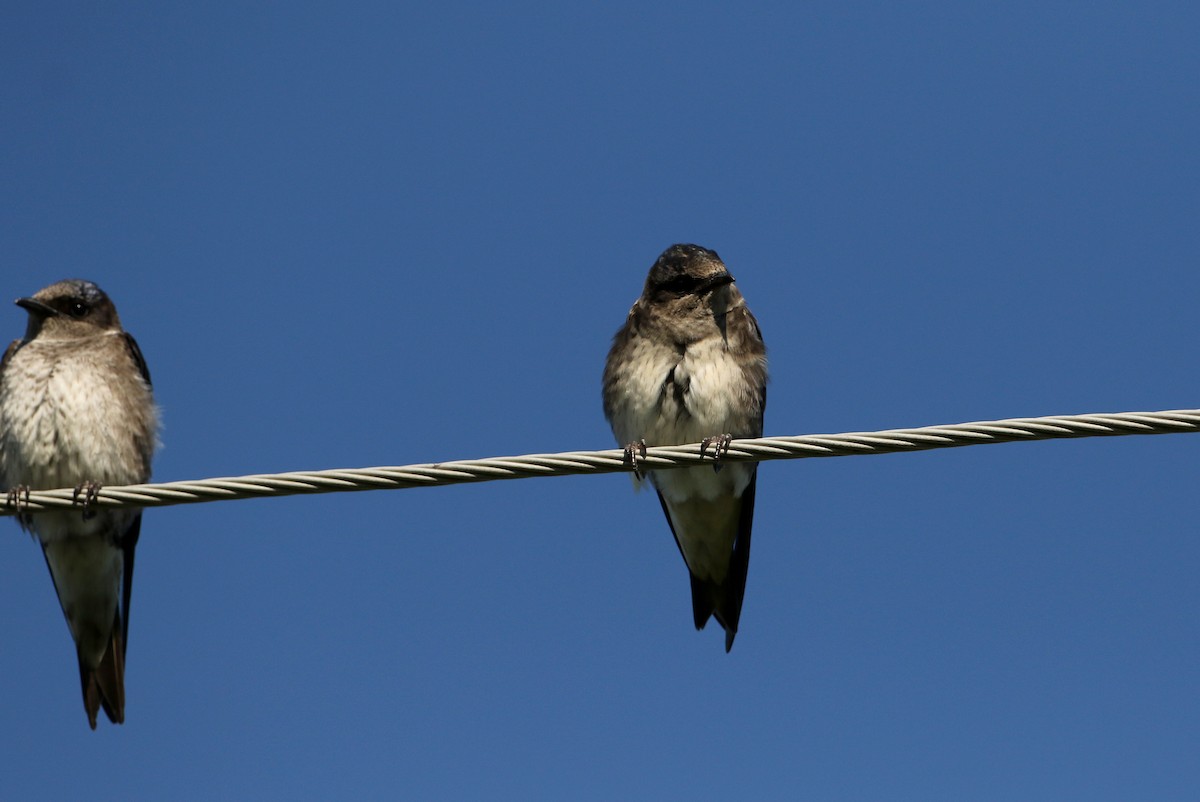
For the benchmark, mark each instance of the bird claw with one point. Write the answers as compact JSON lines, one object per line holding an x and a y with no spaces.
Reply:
{"x":634,"y":452}
{"x":90,"y":490}
{"x":720,"y":444}
{"x":14,"y":498}
{"x":17,"y":498}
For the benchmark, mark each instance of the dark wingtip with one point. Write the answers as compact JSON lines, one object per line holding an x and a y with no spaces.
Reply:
{"x":91,"y":693}
{"x":110,"y":676}
{"x":104,"y":685}
{"x":702,"y":602}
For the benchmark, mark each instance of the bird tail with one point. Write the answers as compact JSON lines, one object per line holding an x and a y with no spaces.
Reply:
{"x":723,"y":602}
{"x":104,"y":685}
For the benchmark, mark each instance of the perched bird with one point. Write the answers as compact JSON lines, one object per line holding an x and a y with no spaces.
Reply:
{"x":689,"y":365}
{"x":76,"y":409}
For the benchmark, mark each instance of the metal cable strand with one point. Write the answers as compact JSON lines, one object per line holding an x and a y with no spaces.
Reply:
{"x":588,"y":462}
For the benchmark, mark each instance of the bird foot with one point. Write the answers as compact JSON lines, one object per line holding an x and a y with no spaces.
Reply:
{"x":634,"y":452}
{"x":17,"y":499}
{"x":720,"y":444}
{"x":89,"y":490}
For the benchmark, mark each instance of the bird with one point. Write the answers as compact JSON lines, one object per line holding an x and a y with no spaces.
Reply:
{"x":77,"y":409}
{"x":689,"y":365}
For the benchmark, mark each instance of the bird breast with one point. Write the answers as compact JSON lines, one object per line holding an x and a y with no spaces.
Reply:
{"x":65,"y":418}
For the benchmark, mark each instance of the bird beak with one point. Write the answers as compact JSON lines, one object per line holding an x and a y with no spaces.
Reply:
{"x":719,"y":280}
{"x":36,"y":308}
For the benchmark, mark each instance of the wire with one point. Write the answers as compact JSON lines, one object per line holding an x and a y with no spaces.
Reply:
{"x":760,"y":449}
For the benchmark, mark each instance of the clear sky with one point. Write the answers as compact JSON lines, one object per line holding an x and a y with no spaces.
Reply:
{"x":362,"y":234}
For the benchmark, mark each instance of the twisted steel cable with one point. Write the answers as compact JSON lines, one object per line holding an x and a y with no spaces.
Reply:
{"x":759,"y":449}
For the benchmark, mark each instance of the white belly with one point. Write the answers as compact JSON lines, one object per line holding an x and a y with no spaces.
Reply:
{"x":58,"y":432}
{"x":713,"y":401}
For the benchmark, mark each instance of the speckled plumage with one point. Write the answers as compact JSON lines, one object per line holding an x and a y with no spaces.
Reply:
{"x":690,"y":364}
{"x":76,"y":408}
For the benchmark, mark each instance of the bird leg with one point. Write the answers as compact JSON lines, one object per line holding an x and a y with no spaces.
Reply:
{"x":17,"y":498}
{"x":14,"y":498}
{"x":633,"y":452}
{"x":720,"y":444}
{"x":90,"y":490}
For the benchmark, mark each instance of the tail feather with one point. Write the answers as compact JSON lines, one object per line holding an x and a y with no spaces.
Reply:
{"x":104,"y":685}
{"x":724,"y":601}
{"x":704,"y":599}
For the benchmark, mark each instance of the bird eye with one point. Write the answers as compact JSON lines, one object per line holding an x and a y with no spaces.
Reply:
{"x":77,"y":309}
{"x":680,"y":285}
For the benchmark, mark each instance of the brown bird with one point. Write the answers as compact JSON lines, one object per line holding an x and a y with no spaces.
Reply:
{"x":76,"y":409}
{"x":689,"y":365}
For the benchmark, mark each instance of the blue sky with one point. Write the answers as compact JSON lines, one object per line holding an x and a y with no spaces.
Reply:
{"x":363,"y":234}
